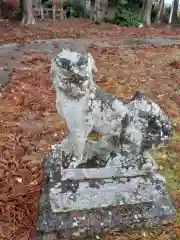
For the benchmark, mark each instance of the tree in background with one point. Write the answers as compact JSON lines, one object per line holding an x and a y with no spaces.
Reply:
{"x":7,"y":8}
{"x":134,"y":12}
{"x":175,"y":11}
{"x":146,"y":11}
{"x":173,"y":17}
{"x":128,"y":12}
{"x":158,"y":18}
{"x":27,"y":16}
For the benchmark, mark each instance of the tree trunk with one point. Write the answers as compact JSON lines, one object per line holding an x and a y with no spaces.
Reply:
{"x":159,"y":13}
{"x":98,"y":9}
{"x":28,"y":17}
{"x":171,"y":13}
{"x":88,"y":7}
{"x":146,"y":15}
{"x":104,"y":8}
{"x":175,"y":12}
{"x":142,"y":10}
{"x":101,"y":7}
{"x":21,"y":8}
{"x":162,"y":13}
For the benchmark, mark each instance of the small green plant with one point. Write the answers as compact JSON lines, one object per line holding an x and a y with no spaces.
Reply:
{"x":94,"y":18}
{"x":47,"y":4}
{"x":77,"y":9}
{"x":127,"y":14}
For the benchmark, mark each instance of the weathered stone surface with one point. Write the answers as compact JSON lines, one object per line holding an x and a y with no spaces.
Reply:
{"x":118,"y":183}
{"x":110,"y":183}
{"x":139,"y":201}
{"x":130,"y":128}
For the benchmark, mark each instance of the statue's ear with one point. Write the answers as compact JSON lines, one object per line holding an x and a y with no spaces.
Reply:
{"x":92,"y":62}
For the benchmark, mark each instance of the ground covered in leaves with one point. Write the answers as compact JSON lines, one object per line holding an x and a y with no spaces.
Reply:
{"x":76,"y":28}
{"x":29,"y":123}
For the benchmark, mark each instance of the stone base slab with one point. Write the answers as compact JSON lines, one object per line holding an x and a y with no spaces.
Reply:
{"x":100,"y":205}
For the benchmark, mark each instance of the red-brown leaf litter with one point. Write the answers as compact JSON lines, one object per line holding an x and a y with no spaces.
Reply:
{"x":29,"y":123}
{"x":77,"y":28}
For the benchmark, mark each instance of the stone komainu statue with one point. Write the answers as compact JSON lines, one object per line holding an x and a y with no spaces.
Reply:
{"x":129,"y":127}
{"x":105,"y":185}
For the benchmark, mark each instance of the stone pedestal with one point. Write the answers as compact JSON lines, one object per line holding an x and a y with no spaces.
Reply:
{"x":108,"y":195}
{"x":110,"y":184}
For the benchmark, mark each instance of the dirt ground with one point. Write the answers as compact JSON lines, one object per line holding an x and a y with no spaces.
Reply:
{"x":29,"y":123}
{"x":76,"y":28}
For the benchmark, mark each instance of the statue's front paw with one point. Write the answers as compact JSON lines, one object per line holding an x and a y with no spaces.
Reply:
{"x":74,"y":162}
{"x":69,"y":160}
{"x":66,"y":159}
